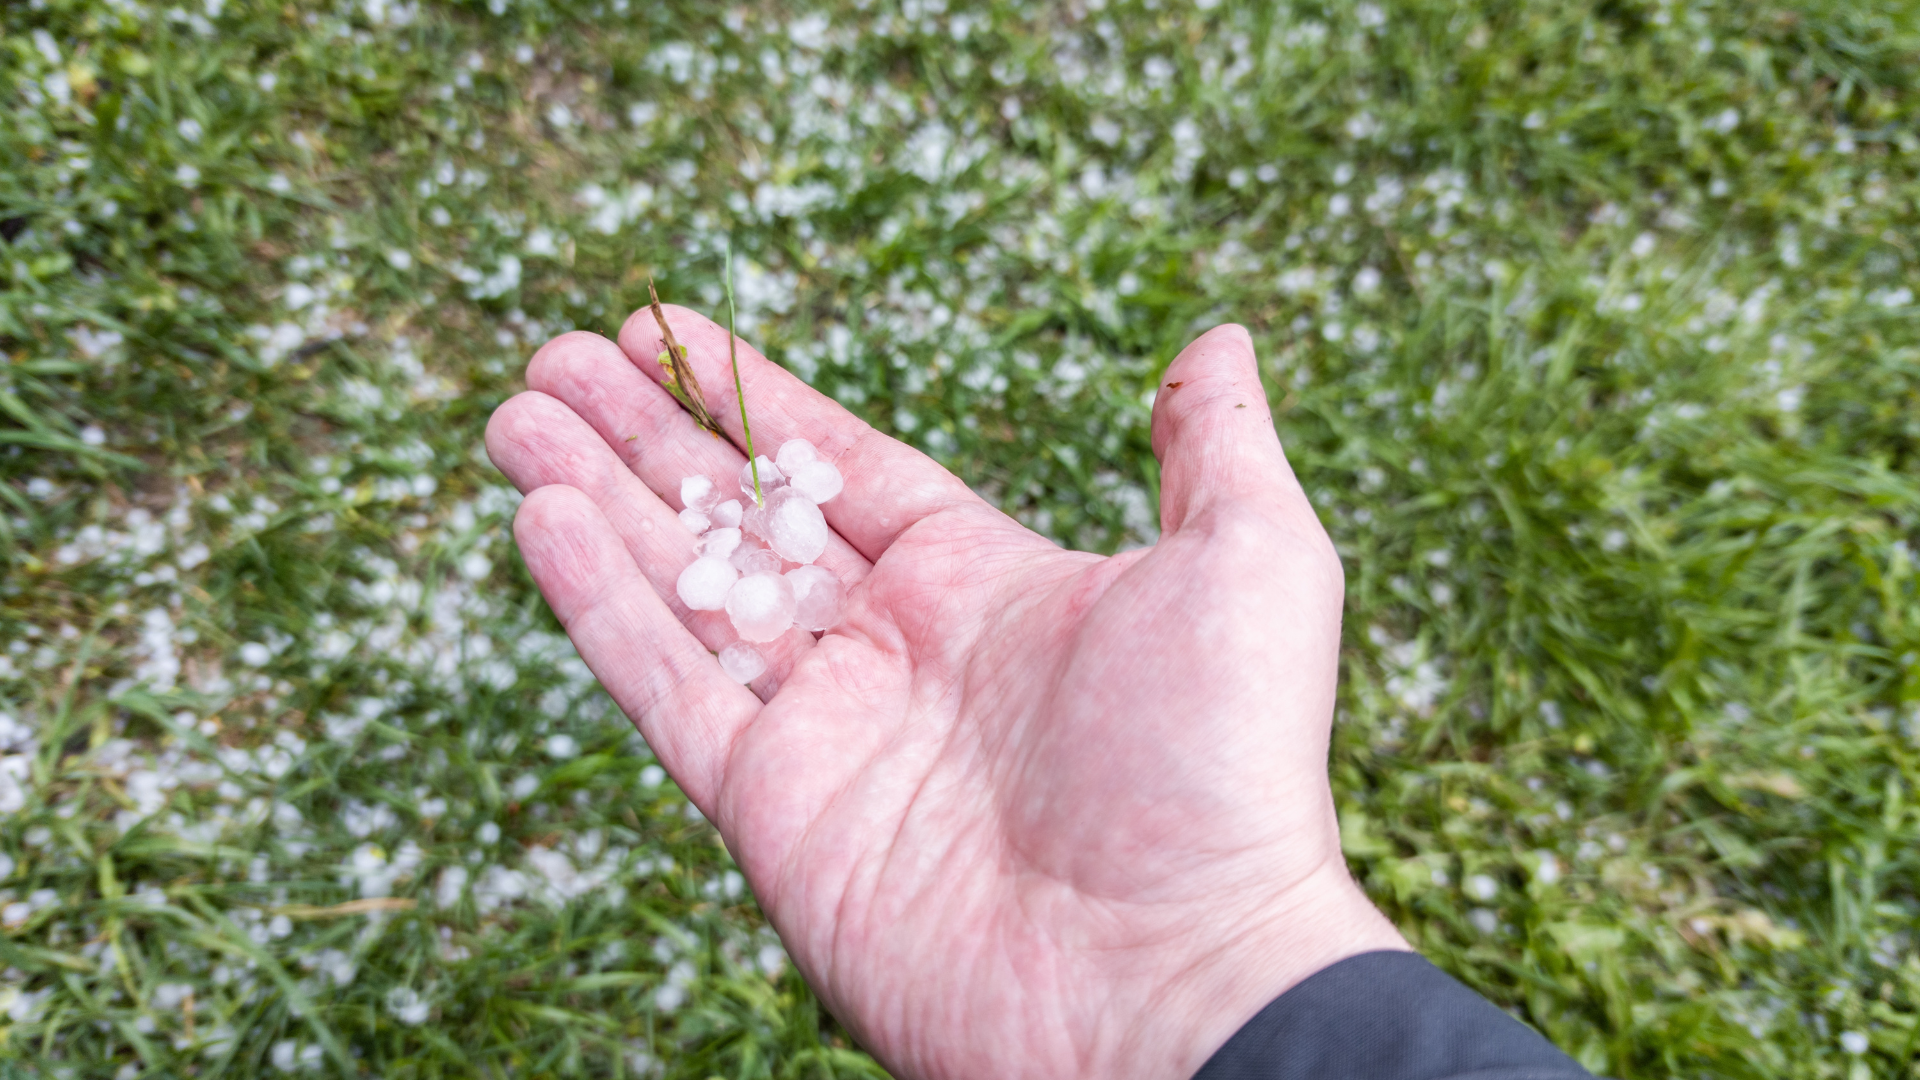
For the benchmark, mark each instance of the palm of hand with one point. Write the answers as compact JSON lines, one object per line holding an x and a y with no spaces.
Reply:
{"x":1025,"y":811}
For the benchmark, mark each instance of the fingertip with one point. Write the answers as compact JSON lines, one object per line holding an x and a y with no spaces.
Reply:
{"x":571,"y":549}
{"x":550,"y":510}
{"x":640,"y":335}
{"x":1228,"y":345}
{"x":562,"y":358}
{"x":536,"y":439}
{"x":570,"y":343}
{"x":1219,"y":370}
{"x":504,"y":429}
{"x":1225,"y":336}
{"x":1212,"y":428}
{"x":679,"y":317}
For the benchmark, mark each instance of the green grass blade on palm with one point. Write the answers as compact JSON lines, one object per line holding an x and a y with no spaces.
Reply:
{"x":739,"y":391}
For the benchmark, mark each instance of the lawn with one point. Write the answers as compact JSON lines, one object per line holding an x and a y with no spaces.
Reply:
{"x":1591,"y":330}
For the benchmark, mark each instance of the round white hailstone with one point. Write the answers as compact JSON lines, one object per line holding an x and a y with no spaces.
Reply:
{"x":719,"y":543}
{"x":704,"y":583}
{"x":795,"y":527}
{"x":696,"y":493}
{"x":726,"y":514}
{"x":761,"y":606}
{"x":793,"y":454}
{"x":695,"y":521}
{"x":771,"y":478}
{"x":818,"y":481}
{"x":742,"y":662}
{"x":817,"y":597}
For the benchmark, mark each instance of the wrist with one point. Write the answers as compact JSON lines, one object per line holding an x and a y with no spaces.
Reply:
{"x":1252,"y":955}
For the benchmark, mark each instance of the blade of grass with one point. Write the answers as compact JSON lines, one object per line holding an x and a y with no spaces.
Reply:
{"x":739,"y":392}
{"x":235,"y":940}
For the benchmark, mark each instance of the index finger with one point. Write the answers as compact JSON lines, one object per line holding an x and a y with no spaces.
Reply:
{"x":890,"y":486}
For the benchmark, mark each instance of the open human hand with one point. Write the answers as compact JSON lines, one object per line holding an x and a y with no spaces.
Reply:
{"x":1024,"y":811}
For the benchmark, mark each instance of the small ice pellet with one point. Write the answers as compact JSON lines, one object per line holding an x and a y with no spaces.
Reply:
{"x":753,"y":520}
{"x":705,"y":583}
{"x":818,"y":481}
{"x":696,"y":493}
{"x":795,"y":527}
{"x":742,"y":662}
{"x":719,"y":543}
{"x":761,"y":606}
{"x":748,"y":545}
{"x":771,"y":478}
{"x":761,"y":562}
{"x":793,"y":454}
{"x":727,"y":514}
{"x":817,"y":597}
{"x":695,"y":521}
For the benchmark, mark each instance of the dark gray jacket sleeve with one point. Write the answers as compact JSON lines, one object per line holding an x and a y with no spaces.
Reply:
{"x":1386,"y":1016}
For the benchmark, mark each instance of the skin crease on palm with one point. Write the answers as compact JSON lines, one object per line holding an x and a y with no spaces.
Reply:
{"x":1025,"y":812}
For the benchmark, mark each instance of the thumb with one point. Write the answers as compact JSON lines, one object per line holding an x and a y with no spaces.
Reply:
{"x":1213,"y":432}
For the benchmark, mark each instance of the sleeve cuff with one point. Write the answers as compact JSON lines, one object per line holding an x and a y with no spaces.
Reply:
{"x":1386,"y":1016}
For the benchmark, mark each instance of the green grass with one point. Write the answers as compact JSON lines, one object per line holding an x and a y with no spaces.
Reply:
{"x":1591,"y":330}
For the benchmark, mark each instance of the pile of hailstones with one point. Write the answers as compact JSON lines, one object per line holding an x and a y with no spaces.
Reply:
{"x":746,"y":543}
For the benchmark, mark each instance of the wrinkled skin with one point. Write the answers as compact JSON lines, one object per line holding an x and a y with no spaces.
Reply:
{"x":1025,"y":811}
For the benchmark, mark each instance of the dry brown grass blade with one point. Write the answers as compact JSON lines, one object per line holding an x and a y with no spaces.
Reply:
{"x":680,"y":381}
{"x":351,"y":907}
